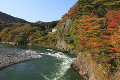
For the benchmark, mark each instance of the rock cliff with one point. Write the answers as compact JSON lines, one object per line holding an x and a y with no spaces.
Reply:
{"x":86,"y":66}
{"x":89,"y":69}
{"x":62,"y":45}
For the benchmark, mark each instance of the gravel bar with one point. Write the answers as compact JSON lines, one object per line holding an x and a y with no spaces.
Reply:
{"x":7,"y":60}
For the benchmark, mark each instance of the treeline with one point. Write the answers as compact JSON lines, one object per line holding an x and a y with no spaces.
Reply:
{"x":27,"y":33}
{"x":45,"y":25}
{"x":95,"y":29}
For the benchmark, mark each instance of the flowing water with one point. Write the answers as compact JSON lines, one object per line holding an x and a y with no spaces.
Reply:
{"x":46,"y":64}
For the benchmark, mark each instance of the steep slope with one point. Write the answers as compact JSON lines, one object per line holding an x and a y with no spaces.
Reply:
{"x":10,"y":19}
{"x":90,"y":29}
{"x":93,"y":28}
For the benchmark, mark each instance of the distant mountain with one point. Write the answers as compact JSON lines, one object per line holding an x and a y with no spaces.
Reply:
{"x":10,"y":19}
{"x":39,"y":22}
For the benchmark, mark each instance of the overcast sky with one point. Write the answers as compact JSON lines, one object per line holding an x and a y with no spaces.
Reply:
{"x":36,"y":10}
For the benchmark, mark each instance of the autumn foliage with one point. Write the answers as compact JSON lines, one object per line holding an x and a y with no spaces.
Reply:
{"x":89,"y":33}
{"x":97,"y":37}
{"x":70,"y":14}
{"x":113,"y":31}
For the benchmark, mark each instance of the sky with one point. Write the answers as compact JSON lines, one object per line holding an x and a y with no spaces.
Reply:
{"x":37,"y":10}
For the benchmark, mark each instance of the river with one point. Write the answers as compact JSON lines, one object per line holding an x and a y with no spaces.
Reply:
{"x":47,"y":64}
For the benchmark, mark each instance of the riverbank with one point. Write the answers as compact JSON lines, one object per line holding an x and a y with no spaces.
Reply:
{"x":7,"y":60}
{"x":12,"y":43}
{"x":46,"y":64}
{"x":85,"y":65}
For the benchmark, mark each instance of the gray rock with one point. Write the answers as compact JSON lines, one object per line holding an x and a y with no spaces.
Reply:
{"x":67,"y":23}
{"x":8,"y":60}
{"x":62,"y":45}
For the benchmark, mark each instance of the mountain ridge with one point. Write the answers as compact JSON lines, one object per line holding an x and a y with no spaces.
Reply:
{"x":10,"y":19}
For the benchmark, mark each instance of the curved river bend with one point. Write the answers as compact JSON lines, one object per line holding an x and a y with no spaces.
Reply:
{"x":46,"y":65}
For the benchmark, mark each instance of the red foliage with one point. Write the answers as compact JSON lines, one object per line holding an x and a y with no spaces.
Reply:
{"x":88,"y":30}
{"x":112,"y":33}
{"x":95,"y":39}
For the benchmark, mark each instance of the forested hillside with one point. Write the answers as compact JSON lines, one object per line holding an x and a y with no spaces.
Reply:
{"x":10,"y":19}
{"x":20,"y":31}
{"x":90,"y":26}
{"x":27,"y":33}
{"x":94,"y":29}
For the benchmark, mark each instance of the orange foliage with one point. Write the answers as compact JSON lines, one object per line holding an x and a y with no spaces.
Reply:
{"x":111,"y":34}
{"x":88,"y":30}
{"x":72,"y":10}
{"x":95,"y":39}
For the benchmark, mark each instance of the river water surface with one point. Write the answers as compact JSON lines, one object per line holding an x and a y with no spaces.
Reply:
{"x":46,"y":65}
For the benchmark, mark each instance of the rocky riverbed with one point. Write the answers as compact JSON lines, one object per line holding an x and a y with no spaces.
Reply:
{"x":7,"y":60}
